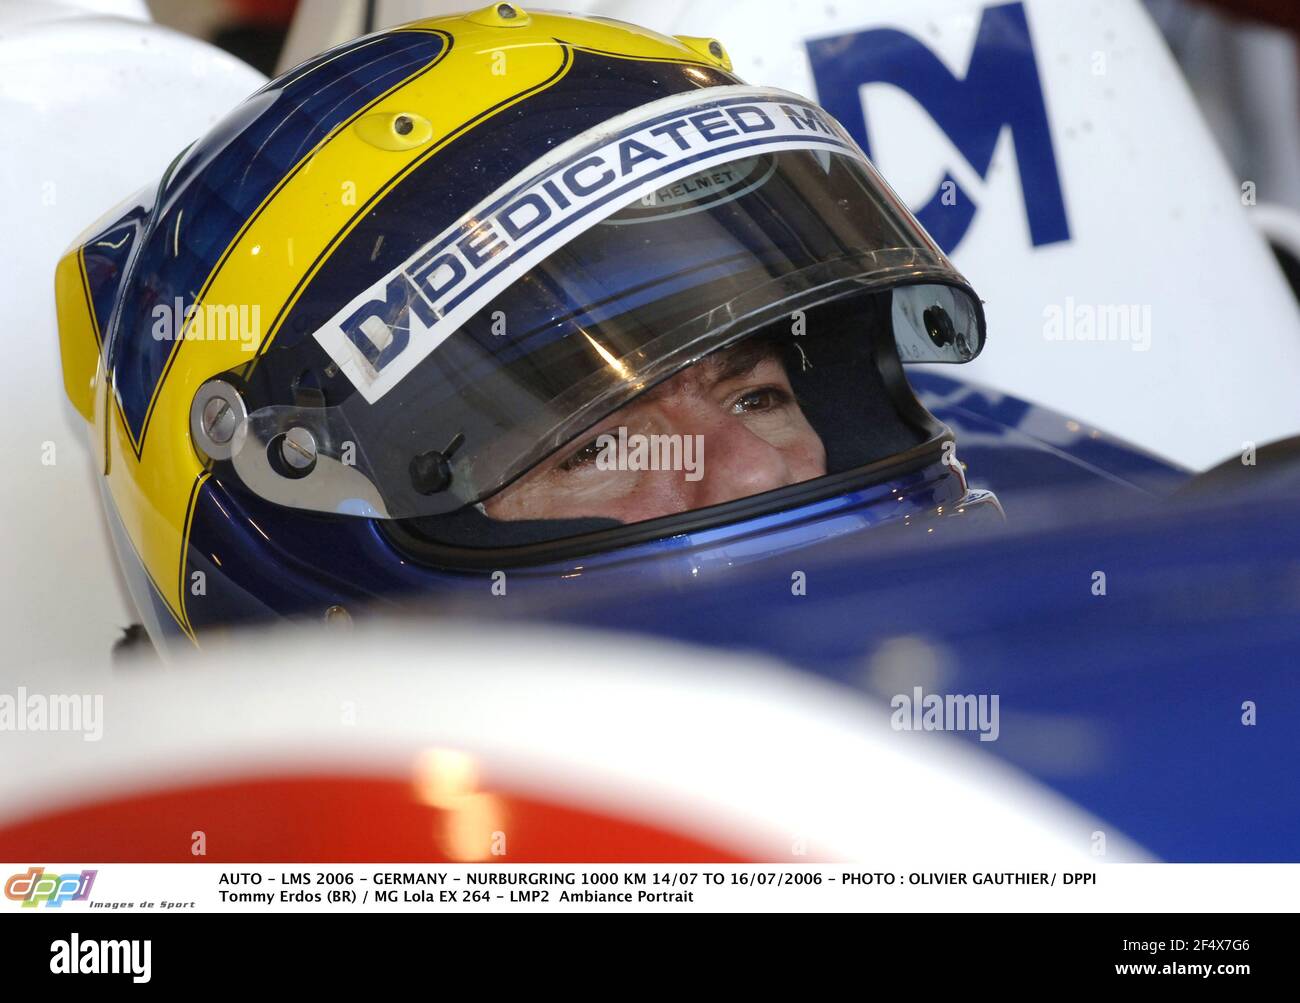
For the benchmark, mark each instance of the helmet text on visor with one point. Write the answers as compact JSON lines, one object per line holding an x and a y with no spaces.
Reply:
{"x":387,"y":330}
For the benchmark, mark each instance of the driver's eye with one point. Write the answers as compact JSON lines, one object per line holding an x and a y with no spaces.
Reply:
{"x":582,"y":457}
{"x":761,"y":399}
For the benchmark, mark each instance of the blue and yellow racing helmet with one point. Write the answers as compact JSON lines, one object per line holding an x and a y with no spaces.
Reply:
{"x":508,"y":291}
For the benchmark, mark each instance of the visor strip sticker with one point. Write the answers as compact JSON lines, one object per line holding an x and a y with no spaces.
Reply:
{"x":382,"y":334}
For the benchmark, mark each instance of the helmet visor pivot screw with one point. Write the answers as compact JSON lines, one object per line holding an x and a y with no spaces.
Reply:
{"x":298,"y":449}
{"x":219,"y":420}
{"x":402,"y":125}
{"x":216,"y":415}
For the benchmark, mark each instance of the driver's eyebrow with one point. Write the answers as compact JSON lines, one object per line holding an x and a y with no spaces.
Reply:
{"x":714,"y":369}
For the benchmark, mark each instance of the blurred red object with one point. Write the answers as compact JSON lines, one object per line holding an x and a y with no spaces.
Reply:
{"x":322,"y":819}
{"x":264,"y":12}
{"x":1283,"y":13}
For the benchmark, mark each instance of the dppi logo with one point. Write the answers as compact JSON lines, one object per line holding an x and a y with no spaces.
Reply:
{"x":35,"y":887}
{"x":1002,"y":89}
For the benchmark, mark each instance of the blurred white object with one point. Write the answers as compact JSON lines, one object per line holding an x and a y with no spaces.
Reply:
{"x":14,"y":12}
{"x":740,"y":753}
{"x":1197,"y":335}
{"x":93,"y":109}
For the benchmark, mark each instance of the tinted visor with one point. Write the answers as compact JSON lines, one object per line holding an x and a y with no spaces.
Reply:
{"x":438,"y":387}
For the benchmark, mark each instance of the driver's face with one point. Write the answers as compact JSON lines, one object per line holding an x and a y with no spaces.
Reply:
{"x":753,"y":438}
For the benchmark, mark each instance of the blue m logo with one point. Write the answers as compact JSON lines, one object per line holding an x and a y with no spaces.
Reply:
{"x":1002,"y":89}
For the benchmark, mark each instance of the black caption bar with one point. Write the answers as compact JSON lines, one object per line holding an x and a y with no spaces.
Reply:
{"x":306,"y":951}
